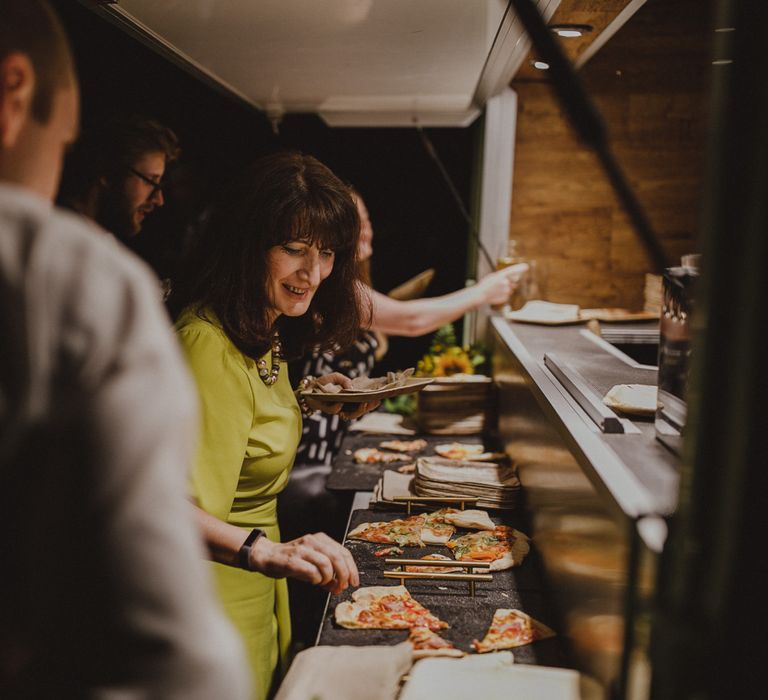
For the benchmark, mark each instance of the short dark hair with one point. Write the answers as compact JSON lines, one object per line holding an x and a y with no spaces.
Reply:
{"x":32,"y":28}
{"x":281,"y":197}
{"x":112,"y":146}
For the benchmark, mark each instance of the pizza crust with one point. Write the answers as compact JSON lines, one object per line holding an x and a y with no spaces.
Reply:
{"x":510,"y":628}
{"x":370,"y":455}
{"x":470,"y":519}
{"x":513,"y":556}
{"x":427,"y":643}
{"x":347,"y":614}
{"x":404,"y":445}
{"x":412,"y":530}
{"x":429,"y":653}
{"x":435,"y":569}
{"x":431,"y":537}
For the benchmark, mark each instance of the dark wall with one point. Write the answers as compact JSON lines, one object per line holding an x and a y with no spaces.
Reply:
{"x":416,"y":223}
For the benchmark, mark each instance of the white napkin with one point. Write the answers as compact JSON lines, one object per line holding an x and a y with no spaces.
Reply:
{"x":347,"y":673}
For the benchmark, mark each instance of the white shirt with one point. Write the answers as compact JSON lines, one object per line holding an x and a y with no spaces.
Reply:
{"x":103,"y":589}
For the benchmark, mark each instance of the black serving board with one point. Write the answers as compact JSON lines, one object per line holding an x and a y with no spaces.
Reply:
{"x":347,"y":475}
{"x":469,"y":618}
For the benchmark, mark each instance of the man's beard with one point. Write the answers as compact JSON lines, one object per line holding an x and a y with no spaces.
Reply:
{"x":115,"y":215}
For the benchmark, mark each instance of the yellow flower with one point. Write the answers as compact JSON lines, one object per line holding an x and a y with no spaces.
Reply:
{"x":452,"y":363}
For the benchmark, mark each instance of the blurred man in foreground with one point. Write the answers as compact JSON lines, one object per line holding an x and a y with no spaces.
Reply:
{"x":103,"y":591}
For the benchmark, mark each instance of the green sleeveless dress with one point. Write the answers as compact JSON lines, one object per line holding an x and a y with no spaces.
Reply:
{"x":249,"y":435}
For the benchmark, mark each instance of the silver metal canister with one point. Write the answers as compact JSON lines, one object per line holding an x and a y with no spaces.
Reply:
{"x":675,"y":337}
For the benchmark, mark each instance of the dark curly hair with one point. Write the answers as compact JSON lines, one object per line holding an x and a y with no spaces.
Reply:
{"x":281,"y":197}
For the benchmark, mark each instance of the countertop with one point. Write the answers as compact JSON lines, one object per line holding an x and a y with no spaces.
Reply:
{"x":637,"y":472}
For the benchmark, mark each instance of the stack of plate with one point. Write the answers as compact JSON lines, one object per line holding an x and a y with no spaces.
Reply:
{"x":495,"y":485}
{"x":458,"y":405}
{"x":653,"y":294}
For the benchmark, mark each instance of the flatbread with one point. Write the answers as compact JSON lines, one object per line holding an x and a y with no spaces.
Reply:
{"x":434,"y":569}
{"x":436,"y":530}
{"x":385,"y":607}
{"x":389,"y":381}
{"x":460,"y":450}
{"x":470,"y":519}
{"x":511,"y":628}
{"x":401,"y":532}
{"x":504,"y":547}
{"x":404,"y":445}
{"x":427,"y":643}
{"x":635,"y":399}
{"x":370,"y":455}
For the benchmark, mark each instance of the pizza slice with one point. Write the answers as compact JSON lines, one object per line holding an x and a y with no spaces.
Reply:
{"x":511,"y":628}
{"x":460,"y":450}
{"x":387,"y":550}
{"x":436,"y":530}
{"x":385,"y":607}
{"x":470,"y":519}
{"x":503,"y":546}
{"x":370,"y":455}
{"x":434,"y":569}
{"x":404,"y":445}
{"x":426,"y":643}
{"x":402,"y":532}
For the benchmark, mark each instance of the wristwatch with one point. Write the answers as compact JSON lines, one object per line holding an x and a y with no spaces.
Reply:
{"x":244,"y":553}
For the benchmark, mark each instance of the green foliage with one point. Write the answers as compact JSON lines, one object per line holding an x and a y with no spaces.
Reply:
{"x":445,"y":357}
{"x":405,"y":404}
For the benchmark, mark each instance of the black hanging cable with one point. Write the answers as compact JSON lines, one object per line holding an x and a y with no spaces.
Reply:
{"x":586,"y":122}
{"x":430,"y":149}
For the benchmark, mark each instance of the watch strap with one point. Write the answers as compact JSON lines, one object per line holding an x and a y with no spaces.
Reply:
{"x":244,"y":553}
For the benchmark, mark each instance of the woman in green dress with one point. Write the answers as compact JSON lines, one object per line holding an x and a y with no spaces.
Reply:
{"x":271,"y":275}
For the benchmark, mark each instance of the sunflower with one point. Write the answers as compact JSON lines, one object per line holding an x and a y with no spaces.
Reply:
{"x":453,"y":362}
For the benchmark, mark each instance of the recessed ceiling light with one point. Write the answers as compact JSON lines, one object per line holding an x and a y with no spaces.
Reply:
{"x":541,"y":65}
{"x":570,"y":31}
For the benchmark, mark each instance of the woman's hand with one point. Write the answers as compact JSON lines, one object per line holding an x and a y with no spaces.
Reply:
{"x":313,"y":558}
{"x":498,"y":286}
{"x":346,"y":383}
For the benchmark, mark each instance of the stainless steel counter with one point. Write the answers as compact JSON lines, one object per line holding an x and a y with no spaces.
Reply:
{"x":596,"y":501}
{"x":636,"y":472}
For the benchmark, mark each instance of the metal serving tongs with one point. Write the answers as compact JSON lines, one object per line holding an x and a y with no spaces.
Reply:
{"x":471,"y":577}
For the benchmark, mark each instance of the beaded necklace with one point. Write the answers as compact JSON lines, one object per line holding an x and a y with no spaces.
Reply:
{"x":269,"y":376}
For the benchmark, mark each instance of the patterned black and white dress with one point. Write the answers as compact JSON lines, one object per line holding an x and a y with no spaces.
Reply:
{"x":322,"y":433}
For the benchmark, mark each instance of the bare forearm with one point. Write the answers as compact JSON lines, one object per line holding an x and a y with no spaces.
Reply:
{"x":313,"y":558}
{"x":223,"y":540}
{"x":420,"y":316}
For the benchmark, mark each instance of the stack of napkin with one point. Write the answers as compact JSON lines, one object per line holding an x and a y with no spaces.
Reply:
{"x":347,"y":673}
{"x":494,"y":485}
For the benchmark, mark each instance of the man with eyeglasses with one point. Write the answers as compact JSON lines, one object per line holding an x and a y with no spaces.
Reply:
{"x":115,"y":173}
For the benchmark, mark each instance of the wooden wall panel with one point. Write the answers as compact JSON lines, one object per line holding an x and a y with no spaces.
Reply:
{"x":650,"y":82}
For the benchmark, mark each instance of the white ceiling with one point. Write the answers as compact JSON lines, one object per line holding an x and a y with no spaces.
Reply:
{"x":356,"y":62}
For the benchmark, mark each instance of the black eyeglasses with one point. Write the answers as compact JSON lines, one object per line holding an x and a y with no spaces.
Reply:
{"x":156,"y":186}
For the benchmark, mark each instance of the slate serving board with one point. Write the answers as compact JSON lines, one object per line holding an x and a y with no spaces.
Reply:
{"x":469,"y":618}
